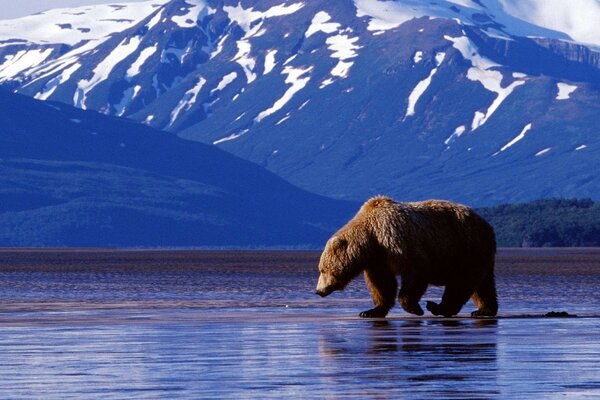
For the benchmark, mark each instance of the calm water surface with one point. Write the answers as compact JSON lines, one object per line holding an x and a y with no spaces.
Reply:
{"x":185,"y":324}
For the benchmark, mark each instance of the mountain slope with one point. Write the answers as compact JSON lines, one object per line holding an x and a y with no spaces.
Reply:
{"x":415,"y":99}
{"x":75,"y":178}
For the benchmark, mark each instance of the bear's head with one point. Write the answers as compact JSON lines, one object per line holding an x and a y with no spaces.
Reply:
{"x":340,"y":262}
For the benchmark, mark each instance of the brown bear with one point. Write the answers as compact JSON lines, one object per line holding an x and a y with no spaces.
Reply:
{"x":430,"y":242}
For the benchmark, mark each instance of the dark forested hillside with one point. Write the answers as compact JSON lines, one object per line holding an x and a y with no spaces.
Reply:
{"x":73,"y":178}
{"x":546,"y":223}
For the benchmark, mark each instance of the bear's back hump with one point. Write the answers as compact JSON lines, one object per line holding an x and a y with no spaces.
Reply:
{"x":453,"y":216}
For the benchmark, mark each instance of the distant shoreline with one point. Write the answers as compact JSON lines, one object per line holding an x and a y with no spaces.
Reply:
{"x":501,"y":250}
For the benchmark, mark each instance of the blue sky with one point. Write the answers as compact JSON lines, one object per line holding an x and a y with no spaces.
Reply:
{"x":18,"y":8}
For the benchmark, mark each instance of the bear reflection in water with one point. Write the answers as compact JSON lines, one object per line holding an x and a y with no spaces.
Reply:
{"x":431,"y":242}
{"x":415,"y":336}
{"x":409,"y":351}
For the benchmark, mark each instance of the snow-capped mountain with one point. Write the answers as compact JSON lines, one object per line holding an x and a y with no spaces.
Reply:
{"x":481,"y":101}
{"x":77,"y":178}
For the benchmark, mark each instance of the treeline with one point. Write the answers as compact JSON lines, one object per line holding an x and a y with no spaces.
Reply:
{"x":546,"y":223}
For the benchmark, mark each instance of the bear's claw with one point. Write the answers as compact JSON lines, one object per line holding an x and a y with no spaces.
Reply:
{"x":483,"y":313}
{"x":374,"y":313}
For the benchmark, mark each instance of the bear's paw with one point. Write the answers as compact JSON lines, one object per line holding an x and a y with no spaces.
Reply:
{"x":377,"y":312}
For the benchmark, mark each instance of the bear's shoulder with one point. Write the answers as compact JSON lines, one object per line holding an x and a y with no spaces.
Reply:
{"x":377,"y":202}
{"x":435,"y":204}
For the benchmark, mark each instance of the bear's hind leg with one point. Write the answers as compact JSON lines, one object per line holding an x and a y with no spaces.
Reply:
{"x":411,"y":291}
{"x":485,"y":298}
{"x":383,"y":286}
{"x":454,"y":298}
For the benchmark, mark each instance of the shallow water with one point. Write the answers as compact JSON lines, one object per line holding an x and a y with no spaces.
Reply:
{"x":185,"y":324}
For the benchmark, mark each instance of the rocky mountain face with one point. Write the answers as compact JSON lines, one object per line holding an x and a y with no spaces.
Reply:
{"x":78,"y":178}
{"x":479,"y":101}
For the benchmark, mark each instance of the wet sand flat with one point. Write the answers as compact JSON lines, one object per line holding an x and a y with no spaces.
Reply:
{"x":197,"y":324}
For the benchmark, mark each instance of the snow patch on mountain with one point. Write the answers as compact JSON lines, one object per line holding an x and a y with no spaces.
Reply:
{"x":155,"y":19}
{"x":24,"y":59}
{"x":129,"y":94}
{"x":73,"y":25}
{"x":517,"y":138}
{"x":320,"y":23}
{"x":285,"y":118}
{"x":127,"y":47}
{"x":343,"y":48}
{"x":342,"y":45}
{"x":422,"y":86}
{"x":179,"y":54}
{"x":244,"y":17}
{"x":196,"y":10}
{"x":231,"y":137}
{"x":481,"y":71}
{"x":142,"y":58}
{"x":244,"y":46}
{"x":385,"y":15}
{"x":55,"y":82}
{"x":244,"y":60}
{"x":270,"y":61}
{"x":295,"y":77}
{"x":326,"y":83}
{"x":188,"y":100}
{"x":342,"y":69}
{"x":59,"y":64}
{"x":564,"y":90}
{"x":455,"y":135}
{"x":470,"y":52}
{"x":542,"y":152}
{"x":303,"y":104}
{"x":219,"y":47}
{"x":418,"y":57}
{"x":225,"y":81}
{"x":467,"y":3}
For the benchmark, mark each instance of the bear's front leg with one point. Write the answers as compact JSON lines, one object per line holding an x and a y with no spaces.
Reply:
{"x":383,"y":285}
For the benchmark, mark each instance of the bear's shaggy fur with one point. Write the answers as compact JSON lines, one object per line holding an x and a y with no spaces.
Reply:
{"x":430,"y":242}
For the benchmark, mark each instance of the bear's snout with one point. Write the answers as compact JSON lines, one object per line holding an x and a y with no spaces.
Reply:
{"x":324,"y":286}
